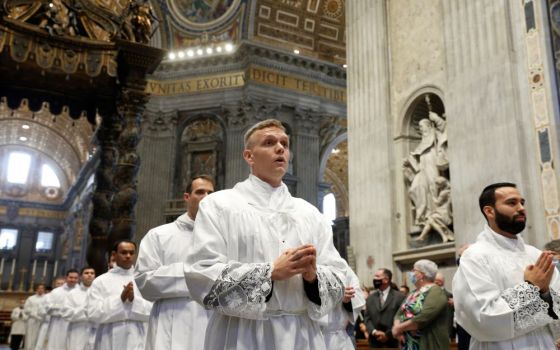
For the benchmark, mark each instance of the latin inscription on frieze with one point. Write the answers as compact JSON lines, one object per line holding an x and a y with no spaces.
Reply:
{"x":239,"y":79}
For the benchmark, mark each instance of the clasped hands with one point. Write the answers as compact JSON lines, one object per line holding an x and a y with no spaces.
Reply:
{"x":127,"y":293}
{"x":301,"y":260}
{"x":540,"y":274}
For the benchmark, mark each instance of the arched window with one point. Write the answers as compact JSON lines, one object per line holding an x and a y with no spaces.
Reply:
{"x":48,"y":177}
{"x":8,"y":238}
{"x":18,"y":167}
{"x":44,"y":241}
{"x":329,"y":207}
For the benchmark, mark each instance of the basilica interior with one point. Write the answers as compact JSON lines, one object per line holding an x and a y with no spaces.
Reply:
{"x":108,"y":107}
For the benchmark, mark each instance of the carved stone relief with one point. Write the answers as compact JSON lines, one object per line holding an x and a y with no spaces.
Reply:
{"x":426,"y":174}
{"x":201,"y":151}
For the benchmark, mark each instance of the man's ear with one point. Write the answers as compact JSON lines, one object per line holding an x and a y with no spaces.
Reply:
{"x":248,"y":156}
{"x":489,"y":211}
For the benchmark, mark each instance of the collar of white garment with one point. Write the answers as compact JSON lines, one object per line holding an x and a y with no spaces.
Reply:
{"x":121,"y":271}
{"x":67,"y":287}
{"x":262,"y":194}
{"x":184,"y":221}
{"x":491,"y":236}
{"x":82,"y":287}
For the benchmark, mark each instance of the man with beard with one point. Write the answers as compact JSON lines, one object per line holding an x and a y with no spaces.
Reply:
{"x":506,"y":292}
{"x":381,"y":307}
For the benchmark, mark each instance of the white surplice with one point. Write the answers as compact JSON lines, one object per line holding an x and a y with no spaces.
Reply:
{"x":177,"y":322}
{"x":18,"y":318}
{"x":54,"y":328}
{"x":81,"y":332}
{"x":237,"y":236}
{"x":121,"y":325}
{"x":334,"y":324}
{"x":32,"y":309}
{"x":493,"y":302}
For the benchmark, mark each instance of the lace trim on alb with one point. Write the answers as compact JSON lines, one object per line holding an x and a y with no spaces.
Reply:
{"x":331,"y":291}
{"x":241,"y":290}
{"x":529,"y":310}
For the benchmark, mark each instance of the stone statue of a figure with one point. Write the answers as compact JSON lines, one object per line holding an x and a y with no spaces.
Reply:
{"x":422,"y":168}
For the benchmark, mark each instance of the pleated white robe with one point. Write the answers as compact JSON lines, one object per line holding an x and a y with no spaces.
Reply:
{"x":333,"y":325}
{"x":177,"y":322}
{"x":238,"y":234}
{"x":121,"y":325}
{"x":493,"y":302}
{"x":81,"y":332}
{"x":31,"y":309}
{"x":52,"y":336}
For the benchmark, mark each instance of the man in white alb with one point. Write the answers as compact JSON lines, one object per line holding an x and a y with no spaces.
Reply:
{"x":264,"y":260}
{"x":54,"y":335}
{"x":177,"y":321}
{"x":505,"y":291}
{"x":31,"y":310}
{"x":80,"y":329}
{"x":116,"y":306}
{"x":335,"y":323}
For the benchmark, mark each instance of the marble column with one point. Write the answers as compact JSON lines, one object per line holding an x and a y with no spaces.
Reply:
{"x":306,"y":155}
{"x":369,"y":135}
{"x":490,"y":124}
{"x":239,"y":117}
{"x":157,"y":149}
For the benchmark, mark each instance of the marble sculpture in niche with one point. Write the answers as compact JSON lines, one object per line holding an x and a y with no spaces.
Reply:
{"x":425,"y":171}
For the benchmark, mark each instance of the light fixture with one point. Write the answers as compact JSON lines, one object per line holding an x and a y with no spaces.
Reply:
{"x":335,"y":151}
{"x":296,"y":51}
{"x":199,"y":52}
{"x":219,"y":49}
{"x":25,"y":126}
{"x":172,"y":56}
{"x":23,"y":138}
{"x":344,"y":66}
{"x":51,"y":4}
{"x":229,"y":47}
{"x":181,"y":54}
{"x":209,"y":50}
{"x":190,"y":53}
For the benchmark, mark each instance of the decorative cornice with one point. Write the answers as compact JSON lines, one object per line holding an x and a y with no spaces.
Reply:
{"x":255,"y":53}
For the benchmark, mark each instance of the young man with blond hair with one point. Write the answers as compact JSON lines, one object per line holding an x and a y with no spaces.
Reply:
{"x":263,"y":260}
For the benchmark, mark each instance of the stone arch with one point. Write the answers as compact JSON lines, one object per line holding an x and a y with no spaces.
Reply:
{"x":333,"y":173}
{"x":200,"y":149}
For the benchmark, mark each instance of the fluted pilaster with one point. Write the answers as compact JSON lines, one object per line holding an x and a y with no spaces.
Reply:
{"x":369,"y":131}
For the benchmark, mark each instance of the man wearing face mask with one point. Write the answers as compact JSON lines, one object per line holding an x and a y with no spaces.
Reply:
{"x":381,"y":307}
{"x":506,"y":292}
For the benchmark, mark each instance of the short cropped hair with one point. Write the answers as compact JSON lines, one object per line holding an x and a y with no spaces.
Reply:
{"x":428,"y":268}
{"x":86,"y":268}
{"x":72,"y":271}
{"x":202,"y":176}
{"x":117,"y":243}
{"x":268,"y":123}
{"x":387,"y":273}
{"x":488,"y":195}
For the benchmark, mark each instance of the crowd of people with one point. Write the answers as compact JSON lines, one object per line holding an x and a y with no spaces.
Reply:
{"x":254,"y":268}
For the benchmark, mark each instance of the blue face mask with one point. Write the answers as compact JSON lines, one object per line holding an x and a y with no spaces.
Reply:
{"x":556,"y":262}
{"x":412,"y":277}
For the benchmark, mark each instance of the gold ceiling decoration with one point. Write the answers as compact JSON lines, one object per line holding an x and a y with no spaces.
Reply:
{"x":314,"y":27}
